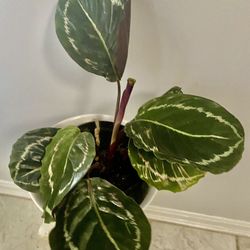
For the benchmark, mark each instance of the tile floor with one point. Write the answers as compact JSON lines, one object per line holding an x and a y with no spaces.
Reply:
{"x":20,"y":222}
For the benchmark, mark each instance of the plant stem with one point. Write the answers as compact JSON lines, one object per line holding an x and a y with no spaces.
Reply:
{"x":121,"y":110}
{"x":97,"y":133}
{"x":118,"y":99}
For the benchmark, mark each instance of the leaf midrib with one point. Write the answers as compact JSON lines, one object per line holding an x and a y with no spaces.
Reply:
{"x":180,"y":131}
{"x":103,"y":226}
{"x":68,"y":153}
{"x":100,"y":37}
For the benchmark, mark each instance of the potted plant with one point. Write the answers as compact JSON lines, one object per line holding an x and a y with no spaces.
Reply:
{"x":92,"y":176}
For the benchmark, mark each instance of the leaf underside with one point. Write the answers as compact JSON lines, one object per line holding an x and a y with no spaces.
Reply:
{"x":68,"y":158}
{"x":97,"y":215}
{"x":95,"y":34}
{"x":190,"y":131}
{"x":25,"y":160}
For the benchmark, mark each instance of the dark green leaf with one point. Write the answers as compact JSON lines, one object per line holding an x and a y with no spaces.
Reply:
{"x":169,"y":94}
{"x":163,"y":174}
{"x":97,"y":215}
{"x":68,"y":158}
{"x":26,"y":157}
{"x":95,"y":34}
{"x":189,"y":130}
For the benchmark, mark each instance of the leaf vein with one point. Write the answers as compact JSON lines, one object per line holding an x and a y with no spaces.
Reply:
{"x":105,"y":229}
{"x":98,"y":32}
{"x":180,"y":131}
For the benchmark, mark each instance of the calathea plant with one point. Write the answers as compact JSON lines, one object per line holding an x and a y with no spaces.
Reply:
{"x":172,"y":142}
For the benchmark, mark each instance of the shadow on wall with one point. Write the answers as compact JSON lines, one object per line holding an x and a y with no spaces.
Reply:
{"x":151,"y":54}
{"x":63,"y":67}
{"x":156,"y":59}
{"x":144,"y":37}
{"x":146,"y":55}
{"x":89,"y":87}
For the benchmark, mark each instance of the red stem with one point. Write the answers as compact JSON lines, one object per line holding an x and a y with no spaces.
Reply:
{"x":118,"y":98}
{"x":120,"y":114}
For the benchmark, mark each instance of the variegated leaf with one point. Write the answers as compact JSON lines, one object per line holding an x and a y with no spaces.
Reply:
{"x":163,"y":174}
{"x":189,"y":130}
{"x":95,"y":34}
{"x":26,"y":157}
{"x":170,"y":93}
{"x":68,"y":158}
{"x":97,"y":215}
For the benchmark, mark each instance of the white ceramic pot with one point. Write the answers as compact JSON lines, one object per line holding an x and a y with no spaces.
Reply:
{"x":79,"y":120}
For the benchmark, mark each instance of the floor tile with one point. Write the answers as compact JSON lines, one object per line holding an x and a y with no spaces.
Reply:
{"x":243,"y":243}
{"x":19,"y":225}
{"x":21,"y":220}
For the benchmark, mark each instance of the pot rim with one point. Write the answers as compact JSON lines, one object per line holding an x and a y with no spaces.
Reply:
{"x":78,"y":120}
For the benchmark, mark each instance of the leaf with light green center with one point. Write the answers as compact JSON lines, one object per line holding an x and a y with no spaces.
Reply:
{"x":95,"y":34}
{"x":97,"y":215}
{"x":26,"y":158}
{"x":68,"y":158}
{"x":189,"y":130}
{"x":163,"y":174}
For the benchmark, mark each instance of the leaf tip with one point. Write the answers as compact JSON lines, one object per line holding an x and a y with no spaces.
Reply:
{"x":174,"y":90}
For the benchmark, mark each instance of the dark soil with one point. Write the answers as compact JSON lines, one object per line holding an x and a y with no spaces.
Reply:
{"x":117,"y":170}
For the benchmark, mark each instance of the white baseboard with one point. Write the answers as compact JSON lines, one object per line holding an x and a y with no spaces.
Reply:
{"x":202,"y":221}
{"x":9,"y":188}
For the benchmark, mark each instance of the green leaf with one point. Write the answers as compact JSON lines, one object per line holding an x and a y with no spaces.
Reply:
{"x":163,"y":174}
{"x":26,"y":157}
{"x":95,"y":34}
{"x":68,"y":158}
{"x":170,"y":93}
{"x":189,"y":130}
{"x":97,"y":215}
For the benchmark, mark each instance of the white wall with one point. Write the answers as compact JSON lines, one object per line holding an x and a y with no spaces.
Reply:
{"x":203,"y":46}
